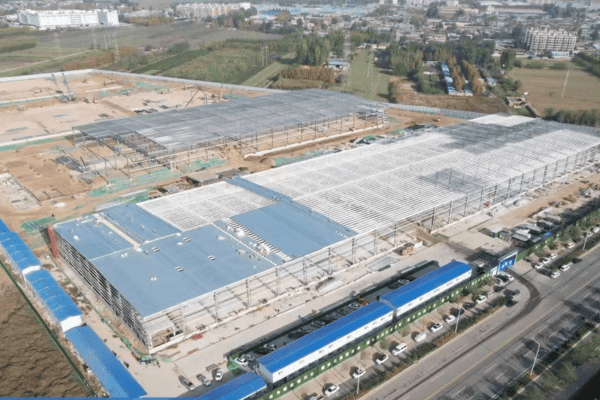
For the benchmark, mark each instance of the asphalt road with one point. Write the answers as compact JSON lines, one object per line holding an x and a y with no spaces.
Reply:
{"x":481,"y":362}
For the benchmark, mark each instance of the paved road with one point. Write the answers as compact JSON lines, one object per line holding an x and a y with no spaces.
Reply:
{"x":481,"y":362}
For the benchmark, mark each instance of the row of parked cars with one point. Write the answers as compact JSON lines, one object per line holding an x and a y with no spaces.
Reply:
{"x":218,"y":377}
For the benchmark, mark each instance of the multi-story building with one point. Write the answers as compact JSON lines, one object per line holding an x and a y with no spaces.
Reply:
{"x":205,"y":10}
{"x":52,"y":19}
{"x":539,"y":40}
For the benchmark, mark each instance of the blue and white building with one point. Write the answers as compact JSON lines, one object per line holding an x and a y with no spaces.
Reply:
{"x":241,"y":388}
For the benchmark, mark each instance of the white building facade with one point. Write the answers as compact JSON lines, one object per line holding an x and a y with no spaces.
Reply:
{"x":539,"y":40}
{"x":53,"y":19}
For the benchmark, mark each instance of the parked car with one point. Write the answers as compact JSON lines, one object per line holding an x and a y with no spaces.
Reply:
{"x":461,"y":311}
{"x":570,"y":245}
{"x":263,"y":351}
{"x":449,"y":318}
{"x":500,"y":282}
{"x":553,"y":256}
{"x":381,"y":359}
{"x":435,"y":327}
{"x":242,"y":360}
{"x":420,"y":337}
{"x":512,"y":303}
{"x":331,"y":390}
{"x":595,"y":229}
{"x":555,"y":275}
{"x":538,"y":265}
{"x":565,"y":267}
{"x":187,"y":383}
{"x":297,"y":334}
{"x":219,"y":375}
{"x":515,"y":294}
{"x":204,"y":380}
{"x":358,"y":373}
{"x":546,"y":260}
{"x":318,"y":324}
{"x":305,"y":329}
{"x":356,"y":305}
{"x":480,"y":299}
{"x":507,"y":276}
{"x":399,"y":349}
{"x":404,"y":281}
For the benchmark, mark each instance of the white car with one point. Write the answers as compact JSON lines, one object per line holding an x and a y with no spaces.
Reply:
{"x":553,"y":256}
{"x":449,"y":318}
{"x":555,"y":275}
{"x":242,"y":360}
{"x":381,"y":359}
{"x":538,"y":265}
{"x":219,"y":375}
{"x":204,"y":380}
{"x":318,"y":324}
{"x":596,"y":229}
{"x":187,"y":383}
{"x":480,"y":299}
{"x":546,"y":260}
{"x":331,"y":390}
{"x":435,"y":327}
{"x":565,"y":267}
{"x":358,"y":373}
{"x":399,"y":349}
{"x":507,"y":276}
{"x":570,"y":245}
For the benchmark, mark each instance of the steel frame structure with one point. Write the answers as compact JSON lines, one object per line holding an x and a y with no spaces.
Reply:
{"x":444,"y":175}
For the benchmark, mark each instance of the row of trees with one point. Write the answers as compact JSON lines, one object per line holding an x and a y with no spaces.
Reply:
{"x":474,"y":77}
{"x":323,"y":74}
{"x":590,"y":62}
{"x":507,"y":59}
{"x":581,"y":117}
{"x":312,"y":49}
{"x":459,"y":80}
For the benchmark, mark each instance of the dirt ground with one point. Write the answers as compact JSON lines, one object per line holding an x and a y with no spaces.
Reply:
{"x":407,"y":94}
{"x":30,"y":365}
{"x":98,"y":97}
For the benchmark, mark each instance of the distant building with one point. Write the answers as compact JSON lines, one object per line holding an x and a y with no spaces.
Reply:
{"x":540,"y":40}
{"x":52,"y":19}
{"x":205,"y":10}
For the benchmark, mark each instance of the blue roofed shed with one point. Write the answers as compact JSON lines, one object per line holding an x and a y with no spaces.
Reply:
{"x":412,"y":291}
{"x":113,"y":375}
{"x":64,"y":310}
{"x":3,"y":227}
{"x":322,"y":337}
{"x":240,"y":388}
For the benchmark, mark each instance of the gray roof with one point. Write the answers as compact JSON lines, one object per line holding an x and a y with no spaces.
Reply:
{"x":176,"y":130}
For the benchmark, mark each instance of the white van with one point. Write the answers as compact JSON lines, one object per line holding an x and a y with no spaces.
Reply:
{"x":420,"y":337}
{"x":399,"y":349}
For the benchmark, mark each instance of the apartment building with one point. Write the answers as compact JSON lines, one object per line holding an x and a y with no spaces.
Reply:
{"x":539,"y":40}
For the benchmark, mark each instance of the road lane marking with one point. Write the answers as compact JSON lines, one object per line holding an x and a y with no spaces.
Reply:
{"x":525,"y":355}
{"x":431,"y":380}
{"x":459,"y":391}
{"x":521,"y":345}
{"x":500,"y":375}
{"x":486,"y":371}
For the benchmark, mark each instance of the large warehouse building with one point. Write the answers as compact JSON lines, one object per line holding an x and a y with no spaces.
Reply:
{"x":177,"y":264}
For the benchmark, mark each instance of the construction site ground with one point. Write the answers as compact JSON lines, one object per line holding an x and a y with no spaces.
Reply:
{"x":407,"y":94}
{"x":58,"y":194}
{"x":33,"y":108}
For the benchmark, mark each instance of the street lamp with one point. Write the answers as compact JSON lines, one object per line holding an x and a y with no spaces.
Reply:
{"x":358,"y":380}
{"x":536,"y":355}
{"x":457,"y":318}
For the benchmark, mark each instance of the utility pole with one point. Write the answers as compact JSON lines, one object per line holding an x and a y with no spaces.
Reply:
{"x":586,"y":237}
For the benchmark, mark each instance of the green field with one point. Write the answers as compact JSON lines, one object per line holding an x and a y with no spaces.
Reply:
{"x":365,"y":79}
{"x":263,"y":78}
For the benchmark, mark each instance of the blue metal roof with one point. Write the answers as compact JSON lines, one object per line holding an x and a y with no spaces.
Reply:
{"x":25,"y":259}
{"x":139,"y":223}
{"x":3,"y":227}
{"x":16,"y":248}
{"x":293,"y":228}
{"x":257,"y":189}
{"x":6,"y":236}
{"x":93,"y":240}
{"x":53,"y":295}
{"x":113,"y":375}
{"x":322,"y":337}
{"x":425,"y":284}
{"x":239,"y":388}
{"x":129,"y":271}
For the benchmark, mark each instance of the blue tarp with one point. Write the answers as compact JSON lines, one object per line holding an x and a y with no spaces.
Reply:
{"x":113,"y":375}
{"x":53,"y":295}
{"x":237,"y":389}
{"x":401,"y":296}
{"x":322,"y":337}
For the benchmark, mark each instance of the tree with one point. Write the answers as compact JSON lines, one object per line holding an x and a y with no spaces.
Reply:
{"x":433,"y":11}
{"x":535,"y":393}
{"x":596,"y":34}
{"x":567,"y":374}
